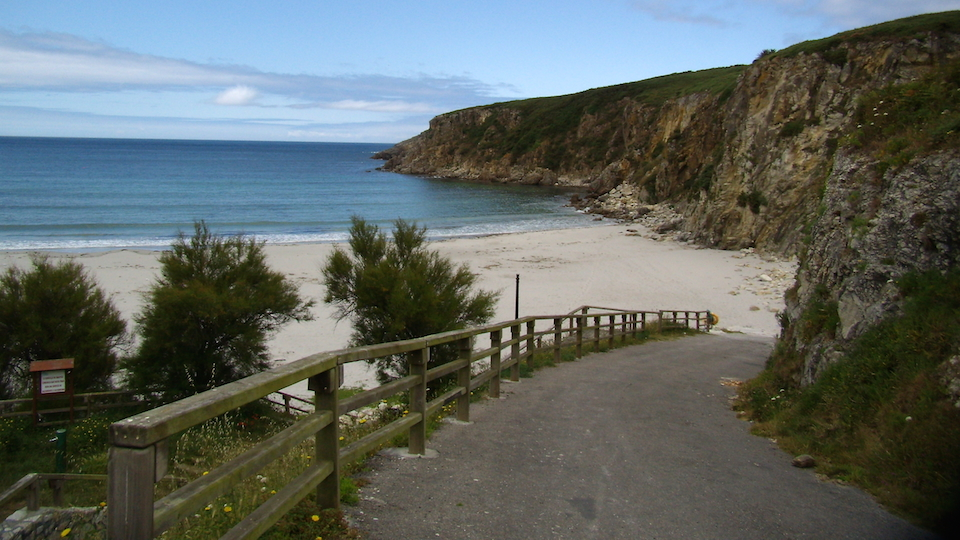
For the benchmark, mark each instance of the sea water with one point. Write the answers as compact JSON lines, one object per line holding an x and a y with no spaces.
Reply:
{"x":94,"y":194}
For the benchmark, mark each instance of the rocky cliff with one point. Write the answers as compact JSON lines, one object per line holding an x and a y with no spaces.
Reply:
{"x":841,"y":151}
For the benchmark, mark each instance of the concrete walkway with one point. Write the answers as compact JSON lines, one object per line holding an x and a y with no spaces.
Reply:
{"x":637,"y":443}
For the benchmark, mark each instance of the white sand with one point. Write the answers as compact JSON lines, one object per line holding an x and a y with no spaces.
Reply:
{"x":608,"y":266}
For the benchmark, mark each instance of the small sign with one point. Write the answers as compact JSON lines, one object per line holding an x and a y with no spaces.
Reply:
{"x":53,"y":382}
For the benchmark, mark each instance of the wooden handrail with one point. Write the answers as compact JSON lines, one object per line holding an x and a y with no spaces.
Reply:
{"x":34,"y":482}
{"x":139,"y":454}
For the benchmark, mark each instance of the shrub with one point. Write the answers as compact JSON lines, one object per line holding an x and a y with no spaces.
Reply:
{"x":56,"y":311}
{"x":398,"y":289}
{"x":208,"y":316}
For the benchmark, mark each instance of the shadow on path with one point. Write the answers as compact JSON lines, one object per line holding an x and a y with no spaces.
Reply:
{"x":636,"y":443}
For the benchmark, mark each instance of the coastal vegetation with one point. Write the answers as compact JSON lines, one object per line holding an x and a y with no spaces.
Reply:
{"x":395,"y":289}
{"x":56,"y":311}
{"x":207,"y":317}
{"x":884,"y":416}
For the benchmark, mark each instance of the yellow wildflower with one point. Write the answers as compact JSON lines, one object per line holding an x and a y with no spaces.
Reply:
{"x":315,"y":517}
{"x":65,"y":532}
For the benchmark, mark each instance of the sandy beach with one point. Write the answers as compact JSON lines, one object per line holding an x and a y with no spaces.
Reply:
{"x":615,"y":266}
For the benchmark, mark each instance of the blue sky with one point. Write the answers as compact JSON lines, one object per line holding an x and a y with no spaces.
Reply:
{"x":369,"y":71}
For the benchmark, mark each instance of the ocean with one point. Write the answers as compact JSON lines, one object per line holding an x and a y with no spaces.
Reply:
{"x":100,"y":194}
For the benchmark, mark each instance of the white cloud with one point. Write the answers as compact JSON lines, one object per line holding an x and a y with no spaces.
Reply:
{"x":385,"y":106}
{"x":66,"y":63}
{"x":834,"y":14}
{"x":238,"y":95}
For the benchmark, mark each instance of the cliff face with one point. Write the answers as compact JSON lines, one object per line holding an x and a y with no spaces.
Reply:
{"x":796,"y":154}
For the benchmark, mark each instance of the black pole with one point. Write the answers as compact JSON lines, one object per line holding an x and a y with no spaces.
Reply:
{"x":516,"y":313}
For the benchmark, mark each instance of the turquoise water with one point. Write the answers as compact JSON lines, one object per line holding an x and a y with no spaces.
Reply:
{"x":82,"y":194}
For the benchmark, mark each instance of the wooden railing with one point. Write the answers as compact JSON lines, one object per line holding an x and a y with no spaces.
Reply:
{"x":90,"y":402}
{"x":32,"y":484}
{"x":139,"y":452}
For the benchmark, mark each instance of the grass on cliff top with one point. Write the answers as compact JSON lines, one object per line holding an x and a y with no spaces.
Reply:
{"x":882,"y":417}
{"x":553,"y":118}
{"x":906,"y":28}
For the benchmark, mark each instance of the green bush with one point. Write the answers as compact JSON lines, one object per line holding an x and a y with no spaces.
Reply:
{"x":881,"y":416}
{"x":56,"y":311}
{"x":398,"y":289}
{"x":208,"y":316}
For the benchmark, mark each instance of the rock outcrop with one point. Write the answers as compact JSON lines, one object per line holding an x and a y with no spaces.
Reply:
{"x":792,"y":155}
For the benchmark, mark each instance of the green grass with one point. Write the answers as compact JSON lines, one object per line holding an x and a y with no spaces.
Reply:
{"x":902,"y":29}
{"x":879,"y":418}
{"x":545,"y":123}
{"x":901,"y":121}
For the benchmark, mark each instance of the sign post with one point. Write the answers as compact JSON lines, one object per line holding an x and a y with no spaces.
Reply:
{"x":52,"y":379}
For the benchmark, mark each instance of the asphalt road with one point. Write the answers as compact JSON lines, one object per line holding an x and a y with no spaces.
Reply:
{"x":637,"y":443}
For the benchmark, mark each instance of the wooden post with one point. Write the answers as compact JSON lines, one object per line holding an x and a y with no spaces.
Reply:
{"x":515,"y":352}
{"x":33,"y":495}
{"x":623,"y":328}
{"x":580,"y":325}
{"x":557,"y":338}
{"x":419,"y":360}
{"x":325,"y":387}
{"x":613,"y":330}
{"x":643,"y":321}
{"x":531,"y":331}
{"x":495,"y":340}
{"x":131,"y":473}
{"x":633,"y":325}
{"x":463,"y":380}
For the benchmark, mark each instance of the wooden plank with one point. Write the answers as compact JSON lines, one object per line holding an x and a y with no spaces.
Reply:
{"x":20,"y":485}
{"x":464,"y":347}
{"x":326,"y":388}
{"x":494,"y":389}
{"x":374,"y":395}
{"x":446,"y":369}
{"x":186,"y":500}
{"x":359,"y":449}
{"x":260,"y":520}
{"x":51,"y":365}
{"x":418,"y":361}
{"x":146,"y":428}
{"x":130,"y":493}
{"x":434,"y":406}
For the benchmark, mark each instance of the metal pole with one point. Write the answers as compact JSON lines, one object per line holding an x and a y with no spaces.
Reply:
{"x":516,"y":312}
{"x":61,"y":453}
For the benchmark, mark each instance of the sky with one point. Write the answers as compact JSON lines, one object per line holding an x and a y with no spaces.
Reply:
{"x":367,"y":71}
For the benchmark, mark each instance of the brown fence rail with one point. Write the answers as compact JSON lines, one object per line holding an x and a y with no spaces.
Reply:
{"x":90,"y":402}
{"x":139,"y":452}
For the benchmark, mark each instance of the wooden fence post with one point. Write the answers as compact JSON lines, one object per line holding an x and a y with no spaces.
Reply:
{"x":463,"y":379}
{"x":633,"y":325}
{"x":515,"y":352}
{"x":613,"y":330}
{"x":596,"y":334}
{"x":131,"y":474}
{"x":557,"y":338}
{"x":418,"y":399}
{"x":325,"y":387}
{"x":495,"y":340}
{"x":531,"y":332}
{"x":580,"y":325}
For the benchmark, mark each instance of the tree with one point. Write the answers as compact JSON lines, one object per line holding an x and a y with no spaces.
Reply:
{"x":56,"y":311}
{"x":208,"y":316}
{"x":395,"y":290}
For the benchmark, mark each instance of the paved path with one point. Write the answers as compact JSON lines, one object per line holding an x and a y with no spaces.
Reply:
{"x":637,"y":443}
